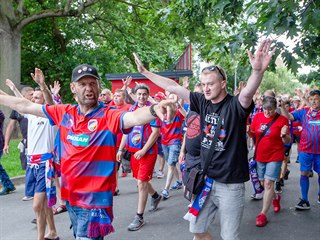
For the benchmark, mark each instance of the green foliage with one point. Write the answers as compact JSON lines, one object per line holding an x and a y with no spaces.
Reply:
{"x":281,"y":81}
{"x":11,"y":162}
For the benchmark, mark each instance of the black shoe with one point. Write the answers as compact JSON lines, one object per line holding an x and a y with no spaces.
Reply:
{"x":34,"y":221}
{"x":116,"y":193}
{"x":6,"y":191}
{"x":303,"y":205}
{"x":311,"y":174}
{"x":278,"y":188}
{"x":281,"y":182}
{"x":297,"y":161}
{"x":286,"y":175}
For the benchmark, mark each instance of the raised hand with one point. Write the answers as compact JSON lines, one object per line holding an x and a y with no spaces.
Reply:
{"x":139,"y":64}
{"x":166,"y":109}
{"x":10,"y":84}
{"x":261,"y":59}
{"x":185,"y":82}
{"x":127,"y":82}
{"x":56,"y":88}
{"x":38,"y":76}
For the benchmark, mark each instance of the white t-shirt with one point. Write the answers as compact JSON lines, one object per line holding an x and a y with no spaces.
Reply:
{"x":41,"y":135}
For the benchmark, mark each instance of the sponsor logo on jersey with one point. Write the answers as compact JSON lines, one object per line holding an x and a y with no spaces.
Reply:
{"x":79,"y":140}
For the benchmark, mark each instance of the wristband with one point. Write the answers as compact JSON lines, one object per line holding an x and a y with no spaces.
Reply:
{"x":120,"y":150}
{"x":152,"y":111}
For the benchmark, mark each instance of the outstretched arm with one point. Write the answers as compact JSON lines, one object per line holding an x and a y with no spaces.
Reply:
{"x":163,"y":82}
{"x":22,"y":105}
{"x":259,"y":62}
{"x":165,"y":110}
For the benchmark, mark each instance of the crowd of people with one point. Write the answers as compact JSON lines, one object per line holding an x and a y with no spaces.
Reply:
{"x":177,"y":127}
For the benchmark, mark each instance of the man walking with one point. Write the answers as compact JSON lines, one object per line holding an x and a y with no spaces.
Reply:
{"x":228,"y":167}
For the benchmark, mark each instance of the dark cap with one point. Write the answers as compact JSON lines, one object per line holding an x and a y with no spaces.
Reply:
{"x":84,"y":70}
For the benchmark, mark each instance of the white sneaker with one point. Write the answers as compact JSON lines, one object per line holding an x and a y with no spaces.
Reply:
{"x":257,"y":196}
{"x":25,"y":198}
{"x":160,"y":174}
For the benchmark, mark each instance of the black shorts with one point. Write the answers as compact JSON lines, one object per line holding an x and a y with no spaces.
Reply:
{"x":296,"y":138}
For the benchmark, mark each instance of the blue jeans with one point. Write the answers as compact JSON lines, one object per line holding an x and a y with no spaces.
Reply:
{"x":4,"y":177}
{"x":171,"y":153}
{"x":80,"y":221}
{"x":228,"y":199}
{"x":269,"y":170}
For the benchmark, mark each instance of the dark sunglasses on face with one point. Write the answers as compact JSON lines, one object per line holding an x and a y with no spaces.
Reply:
{"x":213,"y":68}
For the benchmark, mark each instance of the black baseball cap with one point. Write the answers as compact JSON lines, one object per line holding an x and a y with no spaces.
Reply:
{"x":84,"y":70}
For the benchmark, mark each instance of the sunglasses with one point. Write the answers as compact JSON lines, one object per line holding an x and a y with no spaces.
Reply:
{"x":314,"y":92}
{"x":213,"y":68}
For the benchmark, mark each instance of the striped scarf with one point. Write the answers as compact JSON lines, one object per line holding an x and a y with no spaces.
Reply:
{"x":100,"y":223}
{"x":48,"y":159}
{"x":197,"y":205}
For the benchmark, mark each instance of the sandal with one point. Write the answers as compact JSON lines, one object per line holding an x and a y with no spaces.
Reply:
{"x":60,"y":209}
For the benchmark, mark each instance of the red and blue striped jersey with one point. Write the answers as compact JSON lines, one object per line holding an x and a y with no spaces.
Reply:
{"x":171,"y":132}
{"x":87,"y":152}
{"x":310,"y":135}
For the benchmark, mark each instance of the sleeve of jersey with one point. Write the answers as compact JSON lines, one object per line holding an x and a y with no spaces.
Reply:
{"x":115,"y":121}
{"x":54,"y":113}
{"x":156,"y":123}
{"x":297,"y":114}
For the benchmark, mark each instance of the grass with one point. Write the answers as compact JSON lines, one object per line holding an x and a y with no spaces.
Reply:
{"x":11,"y":162}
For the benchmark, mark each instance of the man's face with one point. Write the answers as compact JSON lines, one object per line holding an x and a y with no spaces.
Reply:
{"x":86,"y":90}
{"x":105,"y":96}
{"x":37,"y":97}
{"x":213,"y":87}
{"x":28,"y":95}
{"x":118,"y":98}
{"x":296,"y":103}
{"x":142,"y":96}
{"x":315,"y":102}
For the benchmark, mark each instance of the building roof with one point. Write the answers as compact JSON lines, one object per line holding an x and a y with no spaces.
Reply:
{"x":169,"y":74}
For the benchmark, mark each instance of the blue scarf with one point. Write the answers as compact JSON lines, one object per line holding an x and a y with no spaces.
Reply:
{"x":99,"y":223}
{"x":197,"y":205}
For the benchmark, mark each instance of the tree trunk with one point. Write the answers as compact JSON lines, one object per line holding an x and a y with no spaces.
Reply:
{"x":10,"y":60}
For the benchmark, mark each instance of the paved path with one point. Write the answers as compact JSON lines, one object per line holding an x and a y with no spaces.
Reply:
{"x":167,"y":222}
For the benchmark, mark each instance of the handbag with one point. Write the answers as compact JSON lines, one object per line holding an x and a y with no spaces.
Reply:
{"x":196,"y":178}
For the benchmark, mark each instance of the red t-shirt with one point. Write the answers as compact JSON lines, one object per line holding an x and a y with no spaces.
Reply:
{"x":271,"y":147}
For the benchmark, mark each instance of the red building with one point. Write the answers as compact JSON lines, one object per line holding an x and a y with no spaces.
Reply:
{"x":116,"y":79}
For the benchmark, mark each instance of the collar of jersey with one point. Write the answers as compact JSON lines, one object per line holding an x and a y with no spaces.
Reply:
{"x":100,"y":105}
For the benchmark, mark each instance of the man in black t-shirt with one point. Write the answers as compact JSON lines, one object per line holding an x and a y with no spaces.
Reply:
{"x":228,"y":167}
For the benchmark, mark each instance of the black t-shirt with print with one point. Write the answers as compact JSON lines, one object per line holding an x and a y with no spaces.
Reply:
{"x":23,"y":123}
{"x":193,"y":136}
{"x":229,"y":162}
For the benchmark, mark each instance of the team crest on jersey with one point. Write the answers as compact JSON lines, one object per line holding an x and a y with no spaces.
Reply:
{"x":93,"y":124}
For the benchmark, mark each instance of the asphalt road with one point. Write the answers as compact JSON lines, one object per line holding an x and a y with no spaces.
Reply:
{"x":167,"y":223}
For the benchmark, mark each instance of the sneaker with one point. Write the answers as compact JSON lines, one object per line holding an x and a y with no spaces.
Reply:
{"x":160,"y":174}
{"x":26,"y":198}
{"x":303,"y":205}
{"x":154,"y":203}
{"x":278,"y":188}
{"x":6,"y":191}
{"x":297,"y":161}
{"x":281,"y":182}
{"x":319,"y":199}
{"x":136,"y":224}
{"x":116,"y":193}
{"x":257,"y":196}
{"x":261,"y":220}
{"x":165,"y":194}
{"x":34,"y":221}
{"x":286,"y":175}
{"x":276,"y":203}
{"x":177,"y":185}
{"x":124,"y":174}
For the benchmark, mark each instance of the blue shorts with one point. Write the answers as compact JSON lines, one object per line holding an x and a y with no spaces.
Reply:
{"x":307,"y":160}
{"x":36,"y":175}
{"x":171,"y":153}
{"x":160,"y":150}
{"x":269,"y":170}
{"x":80,"y":221}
